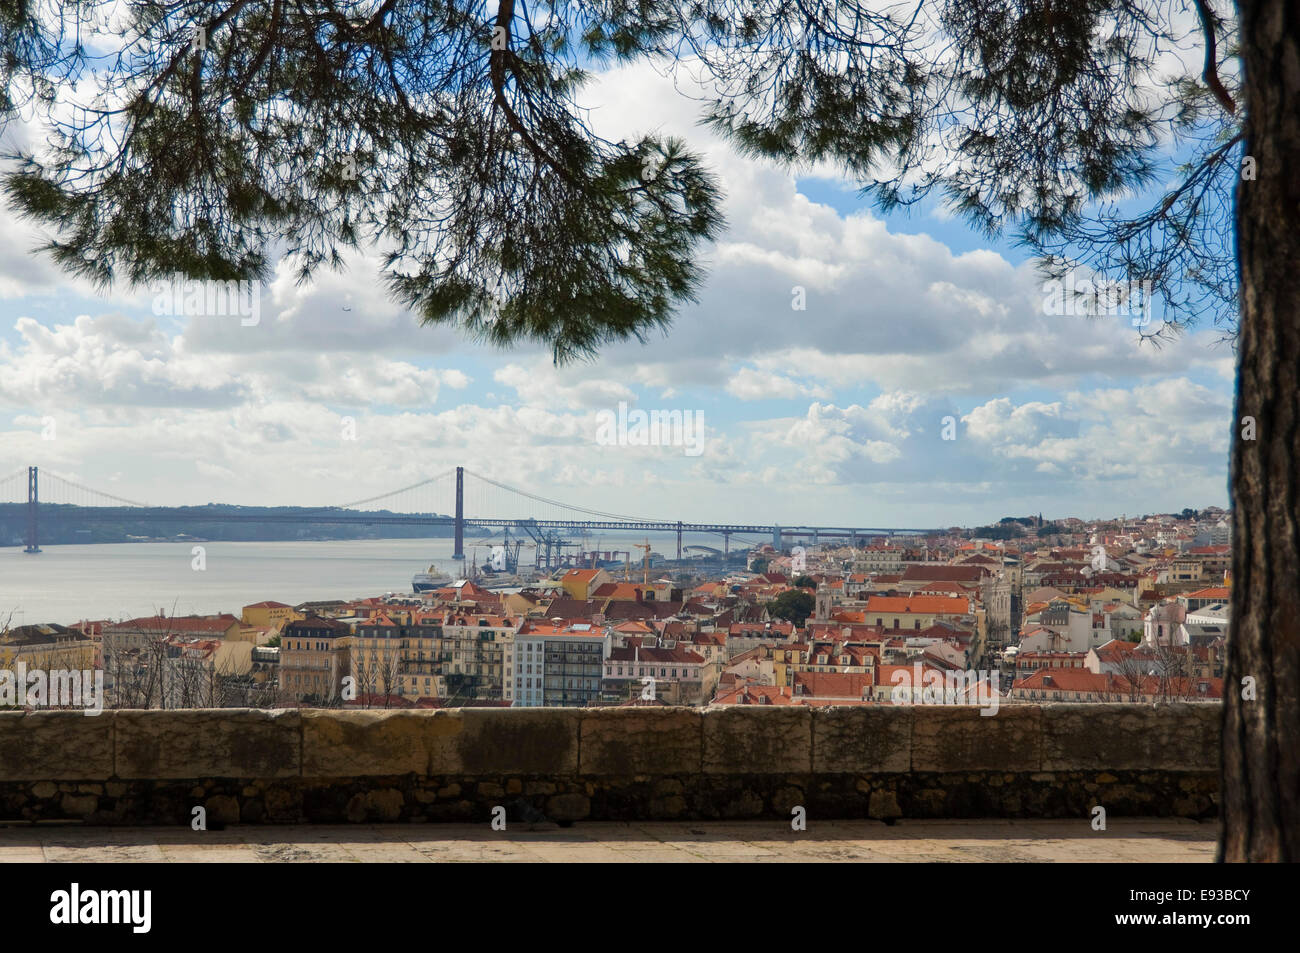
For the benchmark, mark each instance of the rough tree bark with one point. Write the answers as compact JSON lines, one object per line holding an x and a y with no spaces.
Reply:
{"x":1261,"y":737}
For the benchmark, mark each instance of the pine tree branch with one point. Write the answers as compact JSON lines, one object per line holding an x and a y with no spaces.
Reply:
{"x":505,"y":15}
{"x":1211,"y":72}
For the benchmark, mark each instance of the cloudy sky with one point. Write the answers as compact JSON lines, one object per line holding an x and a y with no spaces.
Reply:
{"x":829,"y":415}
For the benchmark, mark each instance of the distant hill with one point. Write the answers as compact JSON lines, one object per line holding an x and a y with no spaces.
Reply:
{"x":63,"y":523}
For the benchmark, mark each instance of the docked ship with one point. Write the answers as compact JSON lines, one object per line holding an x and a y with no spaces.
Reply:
{"x":433,"y":579}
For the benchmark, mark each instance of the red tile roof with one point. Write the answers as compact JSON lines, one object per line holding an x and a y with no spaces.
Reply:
{"x":831,"y":684}
{"x":927,"y":605}
{"x":1081,"y":681}
{"x":942,"y":573}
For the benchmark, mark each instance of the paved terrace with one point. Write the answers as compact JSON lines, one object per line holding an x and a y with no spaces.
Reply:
{"x":1157,"y":840}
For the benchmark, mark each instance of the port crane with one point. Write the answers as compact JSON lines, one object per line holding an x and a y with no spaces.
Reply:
{"x":645,"y":578}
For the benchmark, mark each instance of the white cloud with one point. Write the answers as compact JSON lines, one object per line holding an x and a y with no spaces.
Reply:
{"x":112,"y":361}
{"x":540,"y":383}
{"x":893,"y":310}
{"x":899,"y":332}
{"x":750,"y":384}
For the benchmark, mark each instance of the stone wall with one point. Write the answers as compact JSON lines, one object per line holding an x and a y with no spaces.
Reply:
{"x":252,"y":766}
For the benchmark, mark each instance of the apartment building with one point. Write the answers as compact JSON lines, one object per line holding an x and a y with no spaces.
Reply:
{"x":1067,"y":625}
{"x":559,"y":664}
{"x":743,"y":636}
{"x":915,"y":612}
{"x":133,"y":649}
{"x":476,"y":654}
{"x":672,"y":671}
{"x":1200,"y":598}
{"x":1081,"y":685}
{"x":46,"y":646}
{"x":201,"y":672}
{"x":878,"y":559}
{"x":1186,"y":569}
{"x":314,"y":659}
{"x":144,"y":634}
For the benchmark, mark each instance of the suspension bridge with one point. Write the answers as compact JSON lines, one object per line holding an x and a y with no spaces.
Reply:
{"x":459,"y":498}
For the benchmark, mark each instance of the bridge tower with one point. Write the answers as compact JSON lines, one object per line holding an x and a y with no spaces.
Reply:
{"x":460,"y":514}
{"x":33,"y":497}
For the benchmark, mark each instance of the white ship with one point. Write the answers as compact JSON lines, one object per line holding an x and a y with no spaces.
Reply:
{"x":433,"y":579}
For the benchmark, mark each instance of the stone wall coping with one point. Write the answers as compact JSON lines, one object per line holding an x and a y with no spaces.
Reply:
{"x":606,"y":742}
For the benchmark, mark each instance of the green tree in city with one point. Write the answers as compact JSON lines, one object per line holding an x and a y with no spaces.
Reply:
{"x":793,"y":605}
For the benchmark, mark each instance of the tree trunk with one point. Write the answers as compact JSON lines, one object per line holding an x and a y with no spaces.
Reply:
{"x":1261,"y":737}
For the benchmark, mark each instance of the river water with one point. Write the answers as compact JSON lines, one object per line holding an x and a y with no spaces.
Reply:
{"x":112,"y":581}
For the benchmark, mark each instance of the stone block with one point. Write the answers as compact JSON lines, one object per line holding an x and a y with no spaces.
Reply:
{"x":568,"y":807}
{"x":220,"y":810}
{"x":631,"y":741}
{"x":862,"y":740}
{"x":507,"y":741}
{"x":207,"y":743}
{"x":1179,"y":737}
{"x":757,"y":740}
{"x":59,"y":745}
{"x":948,"y":738}
{"x":371,"y":743}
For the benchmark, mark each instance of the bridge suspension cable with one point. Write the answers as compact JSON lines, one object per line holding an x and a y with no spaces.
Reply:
{"x":566,"y":506}
{"x":48,"y":475}
{"x":384,"y":496}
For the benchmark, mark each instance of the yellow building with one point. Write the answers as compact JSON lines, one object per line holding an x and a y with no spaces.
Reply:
{"x":314,"y":659}
{"x":46,"y":646}
{"x":580,"y":583}
{"x":269,"y":615}
{"x":914,"y":612}
{"x":785,"y":659}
